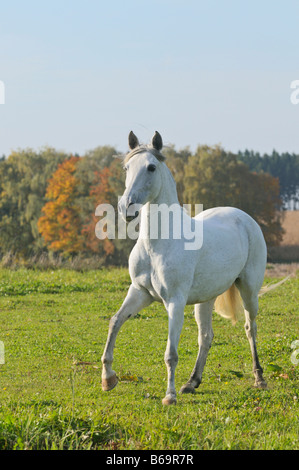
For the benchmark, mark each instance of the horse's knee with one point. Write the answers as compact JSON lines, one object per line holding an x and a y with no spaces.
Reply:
{"x":117,"y":320}
{"x":209,"y":338}
{"x":250,"y":329}
{"x":113,"y":322}
{"x":171,"y":358}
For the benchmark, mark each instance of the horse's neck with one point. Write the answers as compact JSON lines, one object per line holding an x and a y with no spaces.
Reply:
{"x":167,"y":195}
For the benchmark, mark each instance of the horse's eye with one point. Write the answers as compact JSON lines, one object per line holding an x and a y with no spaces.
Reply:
{"x":151,"y":167}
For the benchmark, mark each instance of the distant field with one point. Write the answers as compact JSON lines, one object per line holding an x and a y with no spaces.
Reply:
{"x":288,"y":251}
{"x":54,"y":326}
{"x":291,"y":227}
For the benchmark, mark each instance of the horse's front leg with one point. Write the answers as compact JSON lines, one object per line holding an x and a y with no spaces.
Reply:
{"x":135,"y":301}
{"x":175,"y":311}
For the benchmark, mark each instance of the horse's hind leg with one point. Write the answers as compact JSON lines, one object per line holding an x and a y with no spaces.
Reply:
{"x":203,"y":317}
{"x":135,"y":301}
{"x":250,"y":300}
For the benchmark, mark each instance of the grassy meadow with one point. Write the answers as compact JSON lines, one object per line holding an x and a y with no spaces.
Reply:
{"x":54,"y":326}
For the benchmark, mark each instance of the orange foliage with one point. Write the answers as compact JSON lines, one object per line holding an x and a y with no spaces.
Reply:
{"x":60,"y":225}
{"x":101,"y":193}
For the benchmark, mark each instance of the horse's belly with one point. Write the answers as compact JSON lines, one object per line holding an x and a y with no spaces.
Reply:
{"x":206,"y":288}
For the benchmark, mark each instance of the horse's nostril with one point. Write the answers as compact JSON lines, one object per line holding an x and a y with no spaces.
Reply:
{"x":132,"y":212}
{"x":129,"y":205}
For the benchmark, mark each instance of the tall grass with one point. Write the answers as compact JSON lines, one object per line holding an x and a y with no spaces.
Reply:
{"x":45,"y":261}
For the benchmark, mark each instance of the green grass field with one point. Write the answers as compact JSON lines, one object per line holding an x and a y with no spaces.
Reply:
{"x":54,"y":326}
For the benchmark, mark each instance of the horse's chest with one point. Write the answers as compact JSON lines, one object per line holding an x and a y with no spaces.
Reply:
{"x":144,"y":275}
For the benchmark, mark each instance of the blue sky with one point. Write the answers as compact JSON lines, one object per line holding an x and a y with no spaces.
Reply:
{"x":79,"y":74}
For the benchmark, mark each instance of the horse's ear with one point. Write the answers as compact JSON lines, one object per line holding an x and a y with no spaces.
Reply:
{"x":157,"y":142}
{"x":133,"y":141}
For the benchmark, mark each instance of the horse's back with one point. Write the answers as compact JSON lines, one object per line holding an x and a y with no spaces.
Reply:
{"x":225,"y":215}
{"x":231,"y":219}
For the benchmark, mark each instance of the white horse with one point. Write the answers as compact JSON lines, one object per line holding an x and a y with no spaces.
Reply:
{"x":230,"y":262}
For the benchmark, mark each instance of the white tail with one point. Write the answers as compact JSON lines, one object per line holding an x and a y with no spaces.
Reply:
{"x":230,"y":305}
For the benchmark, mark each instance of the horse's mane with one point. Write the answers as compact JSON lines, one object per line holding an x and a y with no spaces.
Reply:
{"x":144,"y":148}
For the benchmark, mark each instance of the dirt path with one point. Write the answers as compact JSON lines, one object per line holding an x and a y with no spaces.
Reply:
{"x":281,"y":269}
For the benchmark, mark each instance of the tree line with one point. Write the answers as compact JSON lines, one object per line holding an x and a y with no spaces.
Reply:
{"x":48,"y":198}
{"x":283,"y":166}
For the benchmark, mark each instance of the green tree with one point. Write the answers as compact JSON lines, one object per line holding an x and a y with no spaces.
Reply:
{"x":176,"y":162}
{"x":215,"y":177}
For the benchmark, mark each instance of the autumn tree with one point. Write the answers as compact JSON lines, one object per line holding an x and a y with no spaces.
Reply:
{"x":60,"y":224}
{"x":74,"y":191}
{"x":100,"y":193}
{"x":107,"y":186}
{"x":87,"y":167}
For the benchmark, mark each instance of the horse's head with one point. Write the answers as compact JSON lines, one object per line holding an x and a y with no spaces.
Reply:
{"x":143,"y":180}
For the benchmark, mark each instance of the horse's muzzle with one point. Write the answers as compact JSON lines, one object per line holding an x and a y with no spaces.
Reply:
{"x":132,"y":211}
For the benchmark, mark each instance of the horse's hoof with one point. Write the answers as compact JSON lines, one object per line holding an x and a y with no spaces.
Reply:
{"x":109,"y":384}
{"x":187,"y":388}
{"x":262,"y":384}
{"x":169,"y":400}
